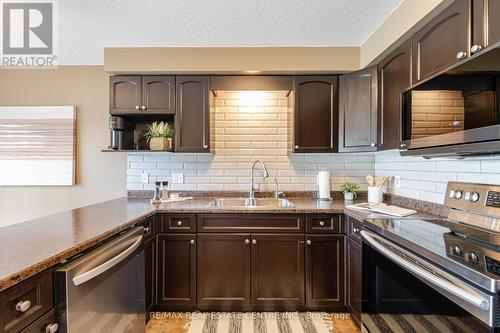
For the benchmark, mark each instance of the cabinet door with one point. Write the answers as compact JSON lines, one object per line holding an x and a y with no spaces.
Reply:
{"x":176,"y":272}
{"x":493,"y":21}
{"x":353,"y":278}
{"x":325,"y":272}
{"x":442,"y":42}
{"x":192,"y":114}
{"x":224,"y":272}
{"x":150,"y":277}
{"x":395,"y":77}
{"x":277,"y":272}
{"x":125,"y":95}
{"x":158,"y":94}
{"x":358,"y":111}
{"x":316,"y":114}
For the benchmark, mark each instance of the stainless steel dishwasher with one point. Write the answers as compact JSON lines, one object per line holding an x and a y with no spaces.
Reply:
{"x":103,"y":290}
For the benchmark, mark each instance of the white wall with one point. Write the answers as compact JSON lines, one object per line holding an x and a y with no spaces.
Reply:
{"x":426,"y":179}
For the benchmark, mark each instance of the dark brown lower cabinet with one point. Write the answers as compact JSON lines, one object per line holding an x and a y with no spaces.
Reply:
{"x":325,"y":272}
{"x":150,"y":274}
{"x":277,"y":272}
{"x":176,"y":272}
{"x":353,"y":278}
{"x":224,"y":272}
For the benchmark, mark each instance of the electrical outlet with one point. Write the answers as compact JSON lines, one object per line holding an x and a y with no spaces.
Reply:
{"x":397,"y":181}
{"x":145,"y":178}
{"x":177,"y":178}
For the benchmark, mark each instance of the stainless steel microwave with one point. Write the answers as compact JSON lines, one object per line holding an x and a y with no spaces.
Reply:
{"x":455,"y":113}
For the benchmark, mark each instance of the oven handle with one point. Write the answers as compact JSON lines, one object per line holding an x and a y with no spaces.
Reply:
{"x":92,"y":273}
{"x":469,"y":297}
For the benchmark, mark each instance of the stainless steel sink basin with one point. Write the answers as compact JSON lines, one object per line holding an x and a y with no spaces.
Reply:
{"x":250,"y":203}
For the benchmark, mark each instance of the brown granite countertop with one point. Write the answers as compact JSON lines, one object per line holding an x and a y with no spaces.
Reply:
{"x":33,"y":246}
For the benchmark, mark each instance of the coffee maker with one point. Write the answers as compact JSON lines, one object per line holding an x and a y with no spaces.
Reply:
{"x":117,"y":132}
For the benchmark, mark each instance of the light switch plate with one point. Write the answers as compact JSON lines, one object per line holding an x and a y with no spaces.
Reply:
{"x":178,"y":178}
{"x":145,"y":178}
{"x":397,"y":181}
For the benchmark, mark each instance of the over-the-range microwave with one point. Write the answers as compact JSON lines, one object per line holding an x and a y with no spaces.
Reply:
{"x":456,"y":113}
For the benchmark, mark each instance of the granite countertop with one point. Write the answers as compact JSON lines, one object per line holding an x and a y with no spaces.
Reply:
{"x":33,"y":246}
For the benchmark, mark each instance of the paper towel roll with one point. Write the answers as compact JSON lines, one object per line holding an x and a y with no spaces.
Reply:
{"x":324,"y":185}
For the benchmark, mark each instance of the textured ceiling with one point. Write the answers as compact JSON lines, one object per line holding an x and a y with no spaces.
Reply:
{"x":87,"y":26}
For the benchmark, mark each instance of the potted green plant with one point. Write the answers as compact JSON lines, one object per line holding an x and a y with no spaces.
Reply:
{"x":159,"y":136}
{"x":350,"y":190}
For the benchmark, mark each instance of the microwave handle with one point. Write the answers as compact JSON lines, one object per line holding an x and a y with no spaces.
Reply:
{"x":469,"y":297}
{"x":92,"y":273}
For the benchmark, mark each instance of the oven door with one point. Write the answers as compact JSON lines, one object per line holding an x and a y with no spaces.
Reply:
{"x":402,"y":293}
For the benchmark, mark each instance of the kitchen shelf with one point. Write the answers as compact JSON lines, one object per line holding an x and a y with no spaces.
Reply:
{"x":109,"y":150}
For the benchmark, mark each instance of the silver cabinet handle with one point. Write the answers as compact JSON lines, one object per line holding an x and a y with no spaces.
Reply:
{"x":254,"y":241}
{"x":475,"y":48}
{"x":321,"y":223}
{"x":143,"y":107}
{"x":51,"y":328}
{"x":205,"y":146}
{"x":461,"y":55}
{"x":469,"y":296}
{"x":308,"y":242}
{"x":355,"y":230}
{"x":296,"y":146}
{"x":179,"y":223}
{"x":137,"y":107}
{"x":247,"y":241}
{"x":373,"y":144}
{"x":146,"y":229}
{"x":23,"y":306}
{"x":191,"y":241}
{"x":98,"y":270}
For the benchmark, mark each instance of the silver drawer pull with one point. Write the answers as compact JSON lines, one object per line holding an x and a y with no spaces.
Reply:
{"x":321,"y":223}
{"x":254,"y":241}
{"x":308,"y":242}
{"x":191,"y":241}
{"x":23,"y":306}
{"x":247,"y":241}
{"x":52,"y":328}
{"x":179,"y":223}
{"x":475,"y":48}
{"x":461,"y":55}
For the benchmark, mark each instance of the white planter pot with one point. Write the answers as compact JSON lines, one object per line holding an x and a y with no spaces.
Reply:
{"x":348,"y":196}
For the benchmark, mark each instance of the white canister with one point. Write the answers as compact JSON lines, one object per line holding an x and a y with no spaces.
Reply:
{"x":375,"y":194}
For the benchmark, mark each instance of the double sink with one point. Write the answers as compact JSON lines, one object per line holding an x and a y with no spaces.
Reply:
{"x":250,"y":203}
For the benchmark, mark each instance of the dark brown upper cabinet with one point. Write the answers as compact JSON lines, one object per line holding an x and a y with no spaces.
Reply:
{"x":176,"y":287}
{"x":394,"y":78}
{"x":192,"y":114}
{"x":277,"y":272}
{"x":316,"y":114}
{"x":485,"y":24}
{"x":358,"y":99}
{"x":125,"y":95}
{"x":442,"y":42}
{"x":132,"y":95}
{"x":325,"y":272}
{"x":158,"y":94}
{"x":224,"y":284}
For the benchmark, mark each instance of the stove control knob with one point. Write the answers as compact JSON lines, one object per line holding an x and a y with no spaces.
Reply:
{"x":458,"y":194}
{"x":474,"y":197}
{"x":473,"y":256}
{"x":457,"y":251}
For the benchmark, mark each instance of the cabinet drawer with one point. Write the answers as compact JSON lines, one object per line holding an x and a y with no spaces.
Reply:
{"x":42,"y":324}
{"x":34,"y":294}
{"x":353,"y":228}
{"x":178,"y":223}
{"x":324,"y":224}
{"x":254,"y":223}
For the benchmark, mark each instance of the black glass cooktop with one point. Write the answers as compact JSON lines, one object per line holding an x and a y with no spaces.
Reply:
{"x":475,"y":248}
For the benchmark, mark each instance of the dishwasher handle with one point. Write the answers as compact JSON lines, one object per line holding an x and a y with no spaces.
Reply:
{"x":107,"y":265}
{"x":465,"y":295}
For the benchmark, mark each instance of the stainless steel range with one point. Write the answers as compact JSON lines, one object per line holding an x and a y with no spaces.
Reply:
{"x":435,"y":275}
